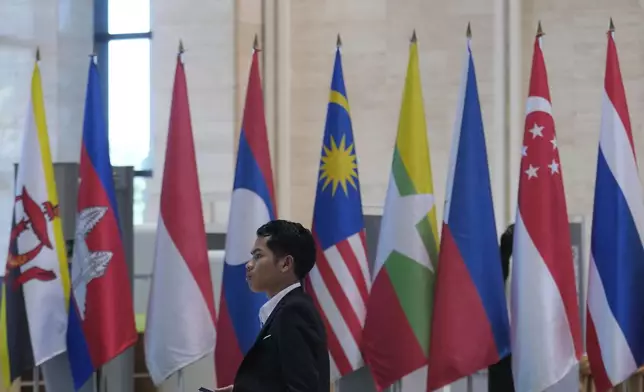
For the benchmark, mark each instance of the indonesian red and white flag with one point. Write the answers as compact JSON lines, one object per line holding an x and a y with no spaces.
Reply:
{"x":180,"y":326}
{"x":546,"y":337}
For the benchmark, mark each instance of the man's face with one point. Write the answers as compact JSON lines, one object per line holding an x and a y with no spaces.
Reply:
{"x":264,"y":271}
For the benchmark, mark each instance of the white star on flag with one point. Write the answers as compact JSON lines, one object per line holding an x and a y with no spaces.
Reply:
{"x":524,"y":151}
{"x":536,"y":131}
{"x":532,"y":171}
{"x":554,"y":143}
{"x":399,"y":232}
{"x":554,"y":167}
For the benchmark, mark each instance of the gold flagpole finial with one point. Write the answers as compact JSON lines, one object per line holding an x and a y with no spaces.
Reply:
{"x":37,"y":53}
{"x":414,"y":39}
{"x":181,"y":49}
{"x":256,"y":43}
{"x":540,"y":32}
{"x":338,"y":42}
{"x":611,"y":26}
{"x":468,"y":32}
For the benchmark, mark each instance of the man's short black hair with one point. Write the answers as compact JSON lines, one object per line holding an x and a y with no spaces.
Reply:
{"x":290,"y":238}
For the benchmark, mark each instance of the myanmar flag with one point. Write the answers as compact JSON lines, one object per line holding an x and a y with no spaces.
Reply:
{"x":399,"y":310}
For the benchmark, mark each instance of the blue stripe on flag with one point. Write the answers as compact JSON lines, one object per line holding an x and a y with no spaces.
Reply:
{"x":95,"y":137}
{"x":619,"y":256}
{"x":80,"y":361}
{"x":472,"y":221}
{"x":243,"y":305}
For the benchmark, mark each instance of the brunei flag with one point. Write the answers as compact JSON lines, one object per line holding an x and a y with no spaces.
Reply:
{"x":35,"y":293}
{"x":399,"y":309}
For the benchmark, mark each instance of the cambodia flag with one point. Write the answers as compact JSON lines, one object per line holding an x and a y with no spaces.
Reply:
{"x":101,"y":313}
{"x":253,"y":204}
{"x":470,"y":327}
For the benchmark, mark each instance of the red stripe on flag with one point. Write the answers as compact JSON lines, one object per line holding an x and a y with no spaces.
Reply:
{"x":338,"y":295}
{"x":351,"y":260}
{"x":228,"y":356}
{"x":389,"y":345}
{"x":335,"y":348}
{"x":254,"y":124}
{"x":181,"y":208}
{"x":462,"y":341}
{"x":597,"y":368}
{"x":614,"y":87}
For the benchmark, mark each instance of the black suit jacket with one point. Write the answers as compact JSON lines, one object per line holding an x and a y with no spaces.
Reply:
{"x":290,"y":353}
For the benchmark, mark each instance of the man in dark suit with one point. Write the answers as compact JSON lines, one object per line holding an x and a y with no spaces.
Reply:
{"x":500,"y":374}
{"x":290,"y":353}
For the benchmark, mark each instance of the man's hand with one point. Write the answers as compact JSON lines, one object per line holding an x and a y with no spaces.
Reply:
{"x":225,"y":389}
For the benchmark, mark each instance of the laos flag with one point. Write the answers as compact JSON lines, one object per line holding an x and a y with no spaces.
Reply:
{"x":101,"y":312}
{"x":470,"y":327}
{"x":252,"y":205}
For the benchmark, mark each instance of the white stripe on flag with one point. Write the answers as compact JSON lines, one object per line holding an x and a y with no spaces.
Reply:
{"x":616,"y":354}
{"x":543,"y":351}
{"x":359,"y":250}
{"x":44,"y":300}
{"x":347,"y":281}
{"x":338,"y":325}
{"x":616,"y":148}
{"x":179,"y":328}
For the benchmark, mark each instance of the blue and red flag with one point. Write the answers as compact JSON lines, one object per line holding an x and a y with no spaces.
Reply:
{"x":252,"y":205}
{"x":615,"y":317}
{"x":339,"y":283}
{"x":101,"y":315}
{"x":470,"y":328}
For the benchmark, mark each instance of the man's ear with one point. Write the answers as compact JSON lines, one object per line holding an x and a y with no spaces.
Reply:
{"x":288,"y":263}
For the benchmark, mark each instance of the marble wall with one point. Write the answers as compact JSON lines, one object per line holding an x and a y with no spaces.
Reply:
{"x":207,"y":29}
{"x":63,"y":30}
{"x":375,"y":35}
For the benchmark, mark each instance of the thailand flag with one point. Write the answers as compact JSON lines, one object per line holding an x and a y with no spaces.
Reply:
{"x":252,"y":205}
{"x":470,"y":328}
{"x":615,"y":312}
{"x":101,"y":316}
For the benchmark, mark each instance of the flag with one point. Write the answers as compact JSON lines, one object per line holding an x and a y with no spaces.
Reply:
{"x":470,"y":327}
{"x":101,"y":317}
{"x":615,"y":322}
{"x":33,"y":311}
{"x":252,"y":205}
{"x":399,"y":309}
{"x":180,"y":326}
{"x":545,"y":321}
{"x":339,"y":282}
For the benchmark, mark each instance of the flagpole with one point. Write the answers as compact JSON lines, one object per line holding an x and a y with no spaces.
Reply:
{"x":180,"y":380}
{"x":36,"y":379}
{"x":468,"y":36}
{"x":470,"y":383}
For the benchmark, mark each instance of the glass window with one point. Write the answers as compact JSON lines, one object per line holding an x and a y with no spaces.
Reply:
{"x":128,"y":16}
{"x":129,"y":110}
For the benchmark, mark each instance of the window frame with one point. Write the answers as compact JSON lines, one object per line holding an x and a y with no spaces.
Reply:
{"x":102,"y":38}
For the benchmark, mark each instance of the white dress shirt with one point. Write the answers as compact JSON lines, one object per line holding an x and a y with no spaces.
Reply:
{"x":266,"y":309}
